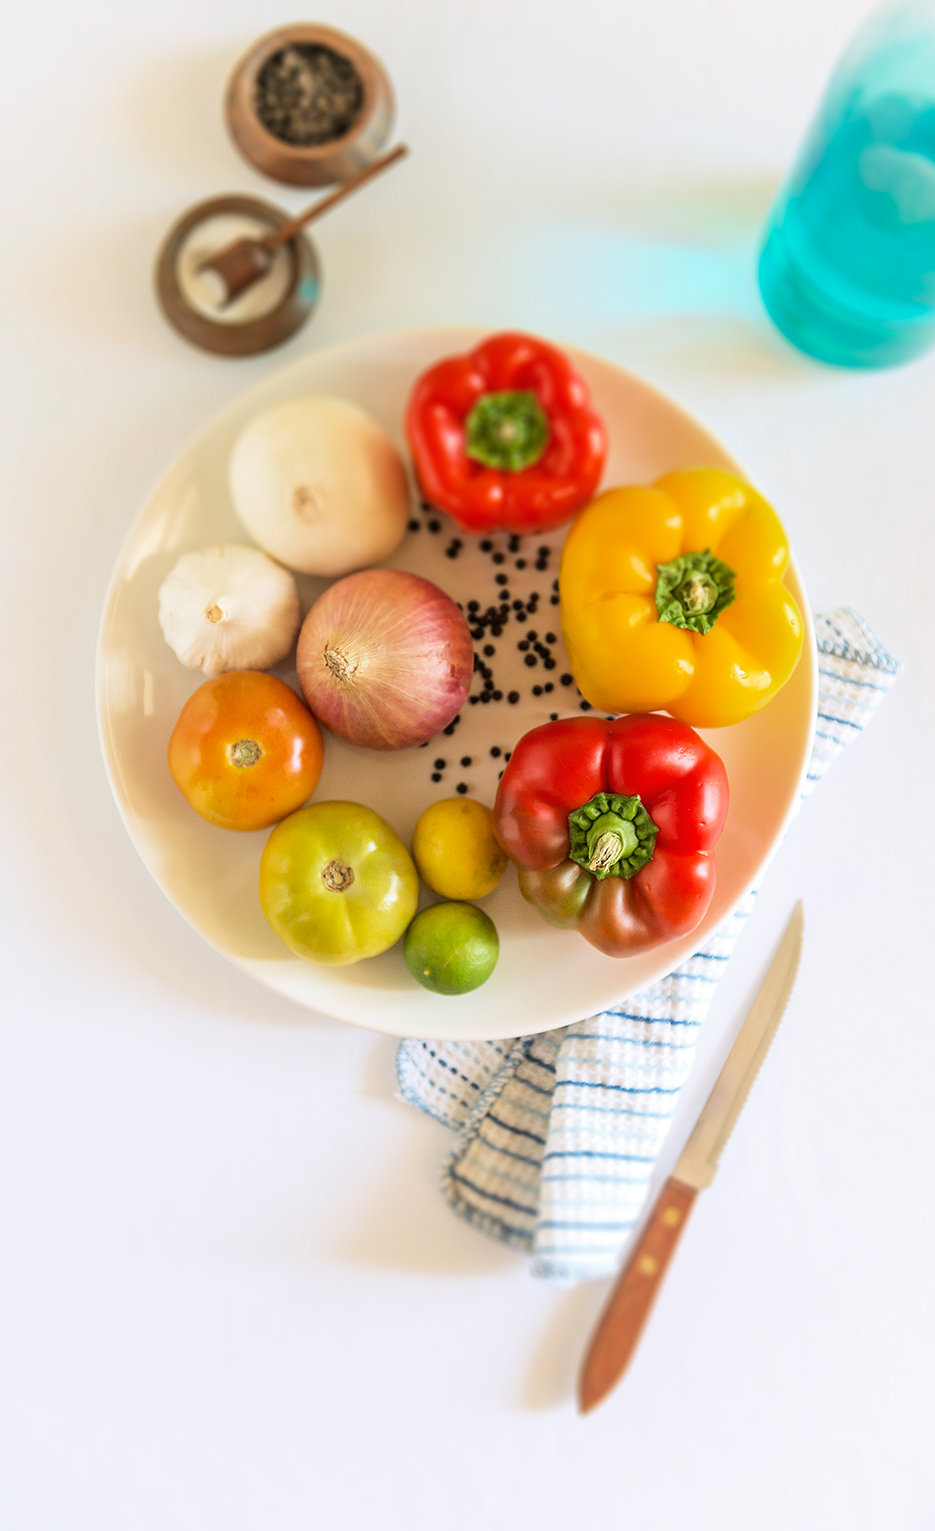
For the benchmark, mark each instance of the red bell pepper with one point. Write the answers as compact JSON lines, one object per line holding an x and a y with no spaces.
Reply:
{"x":505,"y":436}
{"x":612,"y":826}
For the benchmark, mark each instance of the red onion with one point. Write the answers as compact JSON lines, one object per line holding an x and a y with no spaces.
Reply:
{"x":385,"y":659}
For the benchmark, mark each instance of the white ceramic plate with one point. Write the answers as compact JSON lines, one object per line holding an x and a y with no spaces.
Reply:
{"x":545,"y":977}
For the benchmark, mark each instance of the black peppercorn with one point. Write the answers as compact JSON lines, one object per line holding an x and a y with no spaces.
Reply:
{"x":439,"y":765}
{"x":461,"y":787}
{"x":495,"y":750}
{"x":530,"y":660}
{"x":513,"y":696}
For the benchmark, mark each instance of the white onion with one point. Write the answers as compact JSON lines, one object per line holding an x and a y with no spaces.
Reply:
{"x":320,"y":485}
{"x":385,"y":659}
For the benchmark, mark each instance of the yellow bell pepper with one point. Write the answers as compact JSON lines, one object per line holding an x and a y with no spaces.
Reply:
{"x":672,"y":600}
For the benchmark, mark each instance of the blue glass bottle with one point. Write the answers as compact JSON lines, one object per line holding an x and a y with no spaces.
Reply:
{"x":847,"y":270}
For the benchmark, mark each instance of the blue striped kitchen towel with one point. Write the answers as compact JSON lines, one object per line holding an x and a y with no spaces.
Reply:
{"x":558,"y":1133}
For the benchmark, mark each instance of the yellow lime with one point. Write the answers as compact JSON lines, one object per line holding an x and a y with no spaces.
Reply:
{"x":451,"y":948}
{"x":454,"y":848}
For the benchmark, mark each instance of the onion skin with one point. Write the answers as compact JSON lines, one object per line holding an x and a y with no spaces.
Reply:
{"x":385,"y":659}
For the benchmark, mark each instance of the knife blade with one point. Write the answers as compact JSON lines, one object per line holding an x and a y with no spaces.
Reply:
{"x":623,"y":1319}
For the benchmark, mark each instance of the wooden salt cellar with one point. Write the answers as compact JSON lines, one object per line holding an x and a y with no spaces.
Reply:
{"x":249,"y":336}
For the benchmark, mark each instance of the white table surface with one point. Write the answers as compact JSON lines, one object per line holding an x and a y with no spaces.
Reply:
{"x":231,"y":1295}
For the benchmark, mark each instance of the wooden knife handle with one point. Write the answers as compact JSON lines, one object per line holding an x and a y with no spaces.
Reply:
{"x":621,"y":1323}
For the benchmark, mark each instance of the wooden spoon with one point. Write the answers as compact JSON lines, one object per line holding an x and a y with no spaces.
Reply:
{"x":247,"y":260}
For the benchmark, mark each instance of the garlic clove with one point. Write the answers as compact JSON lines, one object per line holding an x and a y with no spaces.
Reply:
{"x":229,"y":608}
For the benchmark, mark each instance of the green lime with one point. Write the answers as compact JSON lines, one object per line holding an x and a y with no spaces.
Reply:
{"x":451,"y":948}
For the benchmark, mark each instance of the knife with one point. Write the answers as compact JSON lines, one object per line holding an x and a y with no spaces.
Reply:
{"x":621,"y":1324}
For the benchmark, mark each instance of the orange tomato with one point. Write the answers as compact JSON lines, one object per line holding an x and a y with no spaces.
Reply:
{"x":245,"y":750}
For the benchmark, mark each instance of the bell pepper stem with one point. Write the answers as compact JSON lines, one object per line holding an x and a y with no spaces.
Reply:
{"x":507,"y":430}
{"x":693,"y":589}
{"x":611,"y":835}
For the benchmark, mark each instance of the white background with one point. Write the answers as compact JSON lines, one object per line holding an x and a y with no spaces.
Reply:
{"x":232,"y":1297}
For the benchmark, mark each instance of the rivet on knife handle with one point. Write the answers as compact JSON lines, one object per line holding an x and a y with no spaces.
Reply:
{"x":622,"y":1321}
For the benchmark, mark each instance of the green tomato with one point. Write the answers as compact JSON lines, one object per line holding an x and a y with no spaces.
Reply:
{"x":337,"y":883}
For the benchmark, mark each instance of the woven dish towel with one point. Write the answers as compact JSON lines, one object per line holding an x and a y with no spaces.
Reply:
{"x":558,"y":1133}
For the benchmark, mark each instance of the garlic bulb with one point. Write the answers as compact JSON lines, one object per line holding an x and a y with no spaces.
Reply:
{"x":320,"y":485}
{"x":229,"y":608}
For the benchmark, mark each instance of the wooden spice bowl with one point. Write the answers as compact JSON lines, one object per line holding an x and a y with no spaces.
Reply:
{"x":249,"y":336}
{"x":318,"y":164}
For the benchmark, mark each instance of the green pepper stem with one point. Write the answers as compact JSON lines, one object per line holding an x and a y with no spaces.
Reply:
{"x":611,"y":835}
{"x":693,"y":590}
{"x":507,"y":430}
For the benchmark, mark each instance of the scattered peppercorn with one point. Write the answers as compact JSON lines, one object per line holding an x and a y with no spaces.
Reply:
{"x":530,"y":660}
{"x":465,"y":760}
{"x":521,"y":616}
{"x":501,"y":579}
{"x":439,"y":765}
{"x":486,"y":546}
{"x":513,"y":696}
{"x":461,"y":787}
{"x":550,"y":664}
{"x":495,"y":750}
{"x":436,"y":775}
{"x":585,"y":706}
{"x":435,"y":526}
{"x":520,"y":563}
{"x":553,"y":717}
{"x":566,"y":680}
{"x":497,"y":696}
{"x":415,"y":526}
{"x":489,"y":649}
{"x":537,"y":690}
{"x":497,"y":557}
{"x":548,"y":685}
{"x":550,"y":638}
